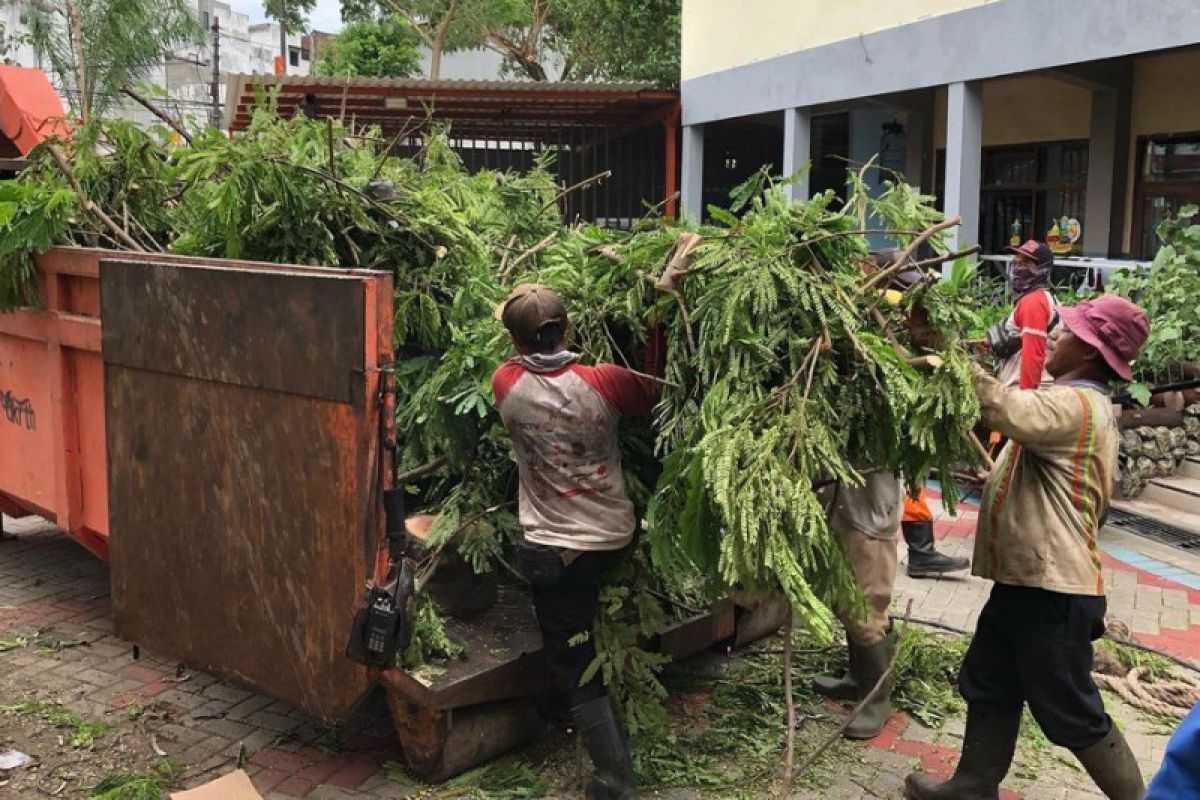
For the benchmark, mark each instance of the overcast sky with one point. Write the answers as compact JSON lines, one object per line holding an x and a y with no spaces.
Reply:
{"x":325,"y":17}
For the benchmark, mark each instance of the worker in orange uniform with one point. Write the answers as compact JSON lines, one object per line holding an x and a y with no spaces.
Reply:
{"x":1038,"y":526}
{"x":578,"y":522}
{"x":924,"y":561}
{"x":1019,"y":342}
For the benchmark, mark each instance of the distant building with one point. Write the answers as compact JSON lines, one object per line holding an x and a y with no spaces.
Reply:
{"x":186,"y":74}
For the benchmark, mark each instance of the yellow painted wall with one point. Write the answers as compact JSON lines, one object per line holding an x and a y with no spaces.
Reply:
{"x":1166,"y":99}
{"x":1026,"y":109}
{"x":722,"y":34}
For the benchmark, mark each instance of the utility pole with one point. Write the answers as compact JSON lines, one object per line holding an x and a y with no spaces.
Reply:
{"x":283,"y":48}
{"x":215,"y":88}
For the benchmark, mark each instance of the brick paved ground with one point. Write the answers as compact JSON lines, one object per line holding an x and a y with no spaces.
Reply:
{"x":48,"y":582}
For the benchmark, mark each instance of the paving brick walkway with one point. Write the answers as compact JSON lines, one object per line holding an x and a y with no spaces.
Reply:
{"x":48,"y":582}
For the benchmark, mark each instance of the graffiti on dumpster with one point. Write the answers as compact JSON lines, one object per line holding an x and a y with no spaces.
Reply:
{"x":18,"y":412}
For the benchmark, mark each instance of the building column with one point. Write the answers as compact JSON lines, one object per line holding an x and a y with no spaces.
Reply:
{"x":692,"y":168}
{"x":1108,"y":167}
{"x":797,"y":152}
{"x":964,"y":160}
{"x":1101,"y":174}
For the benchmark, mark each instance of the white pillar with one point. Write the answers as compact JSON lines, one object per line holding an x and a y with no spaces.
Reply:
{"x":1102,"y":158}
{"x":964,"y":160}
{"x":797,"y":151}
{"x":691,"y":188}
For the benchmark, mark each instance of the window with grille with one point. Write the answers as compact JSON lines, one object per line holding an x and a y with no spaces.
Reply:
{"x":1168,"y":178}
{"x":1026,"y":191}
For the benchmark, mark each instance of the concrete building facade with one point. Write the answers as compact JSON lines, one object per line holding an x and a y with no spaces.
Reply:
{"x":1023,"y":116}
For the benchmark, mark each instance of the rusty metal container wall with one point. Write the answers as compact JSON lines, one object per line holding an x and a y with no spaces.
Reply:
{"x":243,"y":432}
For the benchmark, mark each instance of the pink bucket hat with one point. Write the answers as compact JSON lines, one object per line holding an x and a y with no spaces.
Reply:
{"x":1115,"y":327}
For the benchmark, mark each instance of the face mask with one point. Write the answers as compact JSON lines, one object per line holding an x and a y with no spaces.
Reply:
{"x":1024,"y":278}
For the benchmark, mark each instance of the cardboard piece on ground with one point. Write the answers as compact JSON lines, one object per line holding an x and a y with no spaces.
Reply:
{"x":234,"y":786}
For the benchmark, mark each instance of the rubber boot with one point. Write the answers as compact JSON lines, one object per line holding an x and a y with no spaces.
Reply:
{"x":924,"y":561}
{"x":1112,"y":766}
{"x":605,"y":742}
{"x":988,"y":747}
{"x":841,"y":689}
{"x":869,"y":664}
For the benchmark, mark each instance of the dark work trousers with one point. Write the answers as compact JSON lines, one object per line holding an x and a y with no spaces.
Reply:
{"x":565,"y":598}
{"x":1035,"y":646}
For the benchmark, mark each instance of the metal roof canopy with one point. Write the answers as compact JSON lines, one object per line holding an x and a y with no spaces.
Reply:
{"x":520,"y":109}
{"x":582,"y":119}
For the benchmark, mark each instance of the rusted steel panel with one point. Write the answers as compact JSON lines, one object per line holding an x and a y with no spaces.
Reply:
{"x":243,"y":502}
{"x":271,"y":330}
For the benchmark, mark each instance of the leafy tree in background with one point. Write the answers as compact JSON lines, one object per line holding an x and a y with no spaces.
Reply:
{"x":297,"y":11}
{"x":593,"y":39}
{"x":447,"y":25}
{"x":382,"y":47}
{"x":617,"y":39}
{"x":98,"y":47}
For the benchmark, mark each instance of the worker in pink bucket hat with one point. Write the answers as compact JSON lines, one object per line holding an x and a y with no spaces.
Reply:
{"x":1039,"y":520}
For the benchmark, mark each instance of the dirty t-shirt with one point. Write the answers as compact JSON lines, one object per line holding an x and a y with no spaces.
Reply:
{"x":563,"y":423}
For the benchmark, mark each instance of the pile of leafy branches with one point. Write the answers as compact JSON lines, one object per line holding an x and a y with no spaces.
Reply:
{"x":787,"y":371}
{"x":787,"y":366}
{"x":1167,"y":290}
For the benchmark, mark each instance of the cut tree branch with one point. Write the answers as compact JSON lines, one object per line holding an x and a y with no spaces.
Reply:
{"x":575,"y":187}
{"x":421,"y":471}
{"x":903,"y":259}
{"x":521,"y":259}
{"x":930,"y":262}
{"x":789,"y":757}
{"x":154,"y":109}
{"x":117,"y":231}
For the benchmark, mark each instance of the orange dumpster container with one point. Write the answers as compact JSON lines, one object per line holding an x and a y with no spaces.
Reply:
{"x":222,"y":427}
{"x":52,"y":395}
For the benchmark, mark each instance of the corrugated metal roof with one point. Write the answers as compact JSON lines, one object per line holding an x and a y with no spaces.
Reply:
{"x":529,"y":87}
{"x":468,"y":105}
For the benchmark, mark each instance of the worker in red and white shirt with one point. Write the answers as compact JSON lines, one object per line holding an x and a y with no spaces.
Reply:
{"x":578,"y":522}
{"x":1019,"y":342}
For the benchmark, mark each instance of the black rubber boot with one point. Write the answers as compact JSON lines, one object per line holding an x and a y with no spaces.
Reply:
{"x":869,"y":665}
{"x":988,"y":747}
{"x":605,"y":742}
{"x":924,"y":561}
{"x":843,"y":688}
{"x":1112,"y":766}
